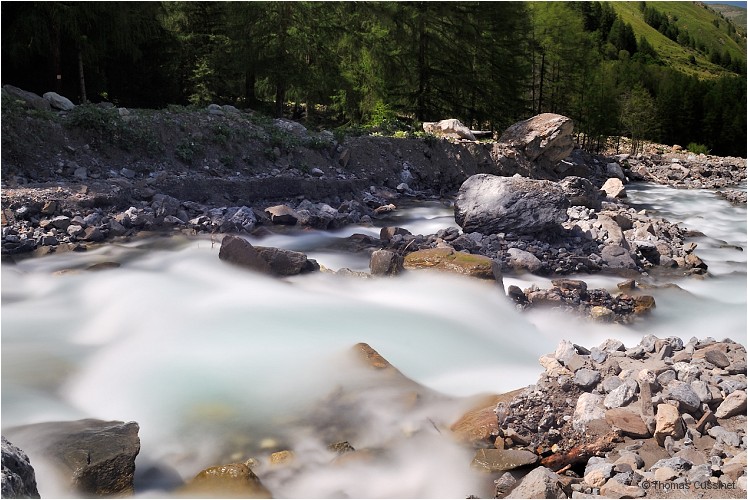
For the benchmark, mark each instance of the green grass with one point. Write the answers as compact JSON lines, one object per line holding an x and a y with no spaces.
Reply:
{"x":699,"y":23}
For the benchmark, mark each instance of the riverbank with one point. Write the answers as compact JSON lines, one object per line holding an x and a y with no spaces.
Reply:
{"x":250,"y":361}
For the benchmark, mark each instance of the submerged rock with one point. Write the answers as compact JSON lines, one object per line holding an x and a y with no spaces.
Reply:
{"x":447,"y":259}
{"x":226,"y":481}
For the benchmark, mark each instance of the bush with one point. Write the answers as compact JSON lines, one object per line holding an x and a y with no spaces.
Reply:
{"x":697,"y":148}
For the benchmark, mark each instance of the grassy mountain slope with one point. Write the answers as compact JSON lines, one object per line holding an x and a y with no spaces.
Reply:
{"x":735,"y":14}
{"x":691,"y":16}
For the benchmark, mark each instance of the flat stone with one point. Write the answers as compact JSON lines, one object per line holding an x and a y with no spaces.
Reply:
{"x":615,"y":489}
{"x":589,"y":407}
{"x":630,"y":423}
{"x":493,"y":460}
{"x":716,"y":357}
{"x":621,"y":395}
{"x":682,"y":392}
{"x":447,"y":259}
{"x":734,"y":404}
{"x":722,"y":435}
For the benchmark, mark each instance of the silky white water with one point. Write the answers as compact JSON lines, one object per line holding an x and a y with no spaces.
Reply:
{"x":209,"y":358}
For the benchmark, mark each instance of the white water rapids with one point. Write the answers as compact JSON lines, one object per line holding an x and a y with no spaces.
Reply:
{"x":201,"y":353}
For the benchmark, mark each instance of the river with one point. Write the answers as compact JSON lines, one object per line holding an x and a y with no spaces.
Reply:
{"x":198,"y":351}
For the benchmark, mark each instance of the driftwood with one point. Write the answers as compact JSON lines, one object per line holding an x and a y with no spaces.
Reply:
{"x":582,"y":452}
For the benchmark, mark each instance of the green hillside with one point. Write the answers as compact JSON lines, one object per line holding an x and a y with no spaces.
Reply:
{"x":737,"y":15}
{"x":694,"y":18}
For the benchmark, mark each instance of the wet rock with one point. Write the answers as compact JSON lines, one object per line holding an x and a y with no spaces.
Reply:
{"x":490,"y":204}
{"x":226,"y":481}
{"x":18,"y":477}
{"x":96,"y":457}
{"x":668,"y":423}
{"x":493,"y":460}
{"x":734,"y":404}
{"x":387,"y":233}
{"x":602,"y":314}
{"x":385,"y":263}
{"x":284,"y":262}
{"x":539,"y":483}
{"x":240,"y":252}
{"x":617,"y":257}
{"x":446,"y":259}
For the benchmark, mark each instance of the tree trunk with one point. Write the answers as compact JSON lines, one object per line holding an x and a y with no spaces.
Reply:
{"x":540,"y":90}
{"x":249,"y":87}
{"x":84,"y":99}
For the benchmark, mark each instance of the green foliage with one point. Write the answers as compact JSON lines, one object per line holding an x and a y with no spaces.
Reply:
{"x":188,"y":150}
{"x":697,"y":148}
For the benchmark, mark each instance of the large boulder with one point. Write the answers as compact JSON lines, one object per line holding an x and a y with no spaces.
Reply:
{"x":544,"y":139}
{"x":18,"y":478}
{"x":287,"y":262}
{"x":581,"y":192}
{"x":95,"y":456}
{"x":241,"y":252}
{"x":29,"y":98}
{"x":451,"y":128}
{"x":59,"y":102}
{"x":539,"y":483}
{"x":489,"y":204}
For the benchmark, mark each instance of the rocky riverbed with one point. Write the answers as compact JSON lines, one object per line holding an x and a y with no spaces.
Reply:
{"x":609,"y":420}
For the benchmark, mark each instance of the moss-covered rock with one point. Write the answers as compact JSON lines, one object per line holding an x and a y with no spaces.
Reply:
{"x":447,"y":259}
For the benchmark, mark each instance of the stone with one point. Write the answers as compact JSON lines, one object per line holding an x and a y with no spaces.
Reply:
{"x":29,"y":98}
{"x":621,"y":395}
{"x":385,"y":263}
{"x":614,"y":188}
{"x":93,"y":233}
{"x":291,"y":127}
{"x":602,"y":314}
{"x":18,"y":476}
{"x":616,"y":489}
{"x":684,"y":395}
{"x":686,"y":371}
{"x":521,"y":259}
{"x":614,"y":170}
{"x":597,"y":473}
{"x":553,"y":368}
{"x":725,"y":436}
{"x":490,"y":204}
{"x":387,"y":233}
{"x":504,"y":485}
{"x":226,"y":481}
{"x":589,"y":407}
{"x":215,"y":109}
{"x":735,"y":467}
{"x":59,"y":102}
{"x":480,"y":424}
{"x":630,"y":423}
{"x":581,"y":192}
{"x":282,"y":457}
{"x":586,"y":378}
{"x":282,"y":215}
{"x":545,"y":139}
{"x":617,"y":257}
{"x":284,"y":262}
{"x":493,"y":460}
{"x":665,"y":474}
{"x":447,"y":259}
{"x":238,"y":219}
{"x":541,"y":482}
{"x":717,"y":358}
{"x":96,"y":457}
{"x":241,"y":252}
{"x":734,"y":404}
{"x":450,"y":128}
{"x":668,"y":423}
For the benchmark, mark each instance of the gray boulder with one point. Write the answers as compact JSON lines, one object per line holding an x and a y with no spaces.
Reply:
{"x":521,"y":259}
{"x":97,"y":457}
{"x":59,"y":102}
{"x":32,"y":100}
{"x":451,"y":128}
{"x":287,"y":262}
{"x":18,"y":478}
{"x":385,"y":262}
{"x":539,"y":483}
{"x":544,"y":139}
{"x":489,"y":204}
{"x":241,"y":252}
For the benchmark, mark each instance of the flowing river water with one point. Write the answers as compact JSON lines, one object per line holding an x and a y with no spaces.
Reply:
{"x":201,"y":353}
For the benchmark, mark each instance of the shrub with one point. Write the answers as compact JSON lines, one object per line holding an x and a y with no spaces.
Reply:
{"x":697,"y":148}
